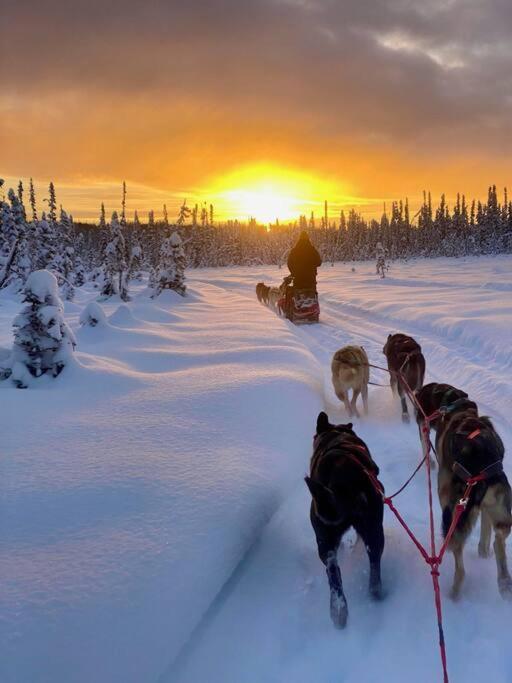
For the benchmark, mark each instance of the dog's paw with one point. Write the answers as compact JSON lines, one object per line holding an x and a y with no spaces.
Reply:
{"x":505,"y":588}
{"x":339,"y":610}
{"x":455,"y":593}
{"x":484,"y":551}
{"x":405,"y":418}
{"x":376,"y":591}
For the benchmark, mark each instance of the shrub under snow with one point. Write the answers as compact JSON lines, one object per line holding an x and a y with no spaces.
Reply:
{"x":43,"y":342}
{"x":93,"y":315}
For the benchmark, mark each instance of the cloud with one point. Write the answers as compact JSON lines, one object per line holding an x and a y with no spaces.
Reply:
{"x":170,"y":93}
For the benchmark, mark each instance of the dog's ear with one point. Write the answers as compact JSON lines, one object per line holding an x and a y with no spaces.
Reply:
{"x":321,"y":494}
{"x":322,"y":423}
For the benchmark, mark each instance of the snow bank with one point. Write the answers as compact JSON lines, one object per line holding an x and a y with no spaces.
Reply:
{"x":131,"y":493}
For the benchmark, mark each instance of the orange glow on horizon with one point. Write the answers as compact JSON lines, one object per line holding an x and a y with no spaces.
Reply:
{"x":267,"y":192}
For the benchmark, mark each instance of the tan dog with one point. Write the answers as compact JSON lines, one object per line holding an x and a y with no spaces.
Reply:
{"x":274,"y":295}
{"x":350,"y":370}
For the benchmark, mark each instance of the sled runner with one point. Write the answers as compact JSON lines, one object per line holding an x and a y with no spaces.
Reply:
{"x":299,"y":305}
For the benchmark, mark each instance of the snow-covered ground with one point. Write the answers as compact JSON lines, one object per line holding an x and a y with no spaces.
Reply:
{"x":153,"y":516}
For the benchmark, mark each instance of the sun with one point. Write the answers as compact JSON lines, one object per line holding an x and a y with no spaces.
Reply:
{"x":267,"y":193}
{"x":264,"y":203}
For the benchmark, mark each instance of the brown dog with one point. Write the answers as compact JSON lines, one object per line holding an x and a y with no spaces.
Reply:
{"x":405,"y":362}
{"x":262,"y":292}
{"x":468,"y":445}
{"x":259,"y":291}
{"x":350,"y":370}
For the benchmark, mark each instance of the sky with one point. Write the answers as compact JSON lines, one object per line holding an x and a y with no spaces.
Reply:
{"x":237,"y":101}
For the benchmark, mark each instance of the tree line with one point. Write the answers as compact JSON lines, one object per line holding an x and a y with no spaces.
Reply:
{"x":116,"y":250}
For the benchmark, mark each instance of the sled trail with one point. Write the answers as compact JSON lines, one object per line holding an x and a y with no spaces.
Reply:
{"x":273,"y":623}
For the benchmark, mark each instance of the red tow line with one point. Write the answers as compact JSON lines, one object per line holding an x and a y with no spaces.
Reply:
{"x":433,"y":559}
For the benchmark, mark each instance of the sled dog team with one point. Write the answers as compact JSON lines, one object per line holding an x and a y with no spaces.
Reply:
{"x":270,"y":296}
{"x":466,"y":445}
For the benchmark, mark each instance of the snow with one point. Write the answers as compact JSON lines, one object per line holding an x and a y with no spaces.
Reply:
{"x":154,"y":519}
{"x":93,"y":315}
{"x":43,"y":285}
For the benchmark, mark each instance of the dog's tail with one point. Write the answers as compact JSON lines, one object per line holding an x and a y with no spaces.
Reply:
{"x":413,"y":369}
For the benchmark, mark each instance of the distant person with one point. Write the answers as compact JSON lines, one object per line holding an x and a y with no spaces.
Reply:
{"x":381,"y":265}
{"x":303,"y":261}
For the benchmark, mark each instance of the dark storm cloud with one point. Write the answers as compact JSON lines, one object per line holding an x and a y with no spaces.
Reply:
{"x":428,"y":76}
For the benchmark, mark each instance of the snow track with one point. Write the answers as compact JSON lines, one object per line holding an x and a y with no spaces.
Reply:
{"x":272,"y":621}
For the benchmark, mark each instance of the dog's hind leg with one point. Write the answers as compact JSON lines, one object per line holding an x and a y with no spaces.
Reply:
{"x":457,"y":548}
{"x":501,"y":531}
{"x":353,"y":402}
{"x":343,"y":396}
{"x":338,"y":602}
{"x":405,"y":412}
{"x":364,"y":394}
{"x":393,"y":383}
{"x":374,"y":542}
{"x":498,"y":508}
{"x":484,"y":545}
{"x":327,"y":551}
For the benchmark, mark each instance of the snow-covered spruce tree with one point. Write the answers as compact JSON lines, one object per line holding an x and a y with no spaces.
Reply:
{"x":45,"y":244}
{"x":116,"y":281}
{"x":80,"y":275}
{"x":135,"y":255}
{"x":8,"y":243}
{"x":63,"y":260}
{"x":32,"y":196}
{"x":52,"y":205}
{"x":171,"y":269}
{"x":122,"y":221}
{"x":43,"y":342}
{"x":21,"y":263}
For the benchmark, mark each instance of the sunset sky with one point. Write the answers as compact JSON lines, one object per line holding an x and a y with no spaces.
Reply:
{"x":239,"y":102}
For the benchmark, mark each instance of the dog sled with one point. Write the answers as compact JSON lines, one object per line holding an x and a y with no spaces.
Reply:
{"x":300,"y":306}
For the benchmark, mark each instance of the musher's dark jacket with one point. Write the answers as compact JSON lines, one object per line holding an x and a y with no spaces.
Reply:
{"x":303,"y":261}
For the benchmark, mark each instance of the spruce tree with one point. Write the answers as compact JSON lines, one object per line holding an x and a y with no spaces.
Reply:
{"x":32,"y":196}
{"x":43,"y":342}
{"x":123,"y":207}
{"x":171,"y":268}
{"x":115,"y":280}
{"x":52,"y":205}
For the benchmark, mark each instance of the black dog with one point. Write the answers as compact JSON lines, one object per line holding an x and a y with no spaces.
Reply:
{"x":343,"y":497}
{"x":435,"y":396}
{"x":444,"y":398}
